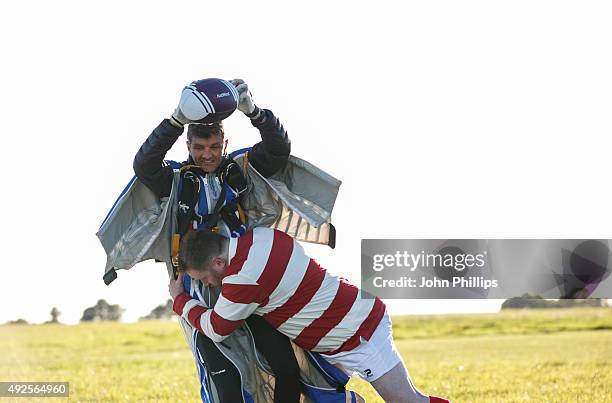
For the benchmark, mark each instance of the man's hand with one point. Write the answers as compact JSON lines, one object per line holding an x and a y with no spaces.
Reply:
{"x":176,"y":286}
{"x":177,"y":118}
{"x":245,"y":99}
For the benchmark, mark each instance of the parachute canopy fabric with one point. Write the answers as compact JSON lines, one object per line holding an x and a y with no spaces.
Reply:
{"x":298,"y":200}
{"x":132,"y":228}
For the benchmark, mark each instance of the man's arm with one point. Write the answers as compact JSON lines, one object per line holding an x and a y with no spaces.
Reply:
{"x":232,"y":308}
{"x":149,"y":163}
{"x":272,"y":152}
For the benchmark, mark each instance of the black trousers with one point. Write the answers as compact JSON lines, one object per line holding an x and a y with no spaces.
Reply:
{"x":277,"y":350}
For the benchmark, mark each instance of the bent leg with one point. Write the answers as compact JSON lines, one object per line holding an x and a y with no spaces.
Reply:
{"x":222,"y":372}
{"x":395,"y":386}
{"x":278,"y":351}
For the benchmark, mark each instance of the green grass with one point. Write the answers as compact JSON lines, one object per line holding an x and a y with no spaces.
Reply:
{"x":515,"y":356}
{"x":507,"y":322}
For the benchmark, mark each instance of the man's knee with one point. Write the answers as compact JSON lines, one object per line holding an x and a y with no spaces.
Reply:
{"x":396,"y":386}
{"x":286,"y":367}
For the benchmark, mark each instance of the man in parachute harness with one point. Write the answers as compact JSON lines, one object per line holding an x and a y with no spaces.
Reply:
{"x":260,"y":186}
{"x":267,"y":273}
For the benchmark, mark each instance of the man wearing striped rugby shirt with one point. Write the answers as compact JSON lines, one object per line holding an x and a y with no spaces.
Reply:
{"x":266,"y":272}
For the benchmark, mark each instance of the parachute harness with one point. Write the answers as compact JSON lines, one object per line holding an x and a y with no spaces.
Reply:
{"x":233,"y":187}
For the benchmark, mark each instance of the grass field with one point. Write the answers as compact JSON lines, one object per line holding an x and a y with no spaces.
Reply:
{"x":514,"y":356}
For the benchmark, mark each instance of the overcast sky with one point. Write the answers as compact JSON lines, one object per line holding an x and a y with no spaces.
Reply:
{"x":443,"y":119}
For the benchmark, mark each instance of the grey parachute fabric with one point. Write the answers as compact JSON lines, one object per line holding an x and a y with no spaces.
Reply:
{"x":135,"y":228}
{"x":298,"y":200}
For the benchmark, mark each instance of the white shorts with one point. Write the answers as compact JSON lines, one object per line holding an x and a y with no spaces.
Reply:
{"x":372,"y":358}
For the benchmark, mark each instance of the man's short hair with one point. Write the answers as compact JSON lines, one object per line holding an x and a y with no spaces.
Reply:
{"x":198,"y":248}
{"x":204,"y":130}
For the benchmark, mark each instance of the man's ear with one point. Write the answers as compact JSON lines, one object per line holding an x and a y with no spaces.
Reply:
{"x":219,"y":261}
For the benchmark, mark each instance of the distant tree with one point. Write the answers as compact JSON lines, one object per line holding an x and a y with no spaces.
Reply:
{"x":17,"y":322}
{"x":55,"y":313}
{"x":102,"y":311}
{"x":534,"y":301}
{"x":524,"y":301}
{"x":163,"y":311}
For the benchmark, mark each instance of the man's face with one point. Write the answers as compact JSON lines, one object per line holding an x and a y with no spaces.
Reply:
{"x":206,"y":153}
{"x":212,"y":275}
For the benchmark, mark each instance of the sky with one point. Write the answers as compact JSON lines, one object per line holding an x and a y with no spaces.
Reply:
{"x":444,"y":119}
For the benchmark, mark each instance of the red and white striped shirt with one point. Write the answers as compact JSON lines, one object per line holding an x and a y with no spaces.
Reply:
{"x":270,"y":275}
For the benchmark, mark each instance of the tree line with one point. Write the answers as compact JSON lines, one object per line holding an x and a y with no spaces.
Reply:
{"x":102,"y":311}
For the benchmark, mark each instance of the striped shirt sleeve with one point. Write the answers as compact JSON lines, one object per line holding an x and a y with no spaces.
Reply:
{"x":240,"y":295}
{"x":235,"y":304}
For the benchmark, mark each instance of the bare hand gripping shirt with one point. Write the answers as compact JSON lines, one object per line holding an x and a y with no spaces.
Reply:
{"x":270,"y":275}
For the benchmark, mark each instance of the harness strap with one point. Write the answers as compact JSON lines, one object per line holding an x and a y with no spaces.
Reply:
{"x":229,"y":175}
{"x":211,"y":219}
{"x":189,"y":195}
